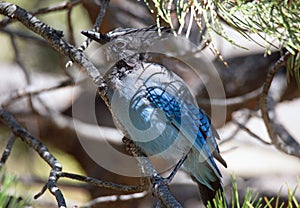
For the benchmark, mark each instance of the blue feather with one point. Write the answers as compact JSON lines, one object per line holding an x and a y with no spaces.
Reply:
{"x":161,"y":99}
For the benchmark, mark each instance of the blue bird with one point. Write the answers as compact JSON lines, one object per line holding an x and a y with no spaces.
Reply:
{"x":154,"y":107}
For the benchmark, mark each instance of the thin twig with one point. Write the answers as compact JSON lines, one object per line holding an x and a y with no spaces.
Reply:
{"x":96,"y":25}
{"x":56,"y":7}
{"x":23,"y":67}
{"x":70,"y":26}
{"x":101,"y":14}
{"x":103,"y":184}
{"x":18,"y":59}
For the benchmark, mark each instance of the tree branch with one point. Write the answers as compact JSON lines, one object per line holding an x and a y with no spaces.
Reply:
{"x":96,"y":25}
{"x":103,"y":184}
{"x":56,"y":171}
{"x":280,"y":137}
{"x":7,"y":150}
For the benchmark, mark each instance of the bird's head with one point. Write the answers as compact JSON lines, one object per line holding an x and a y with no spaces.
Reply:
{"x":128,"y":43}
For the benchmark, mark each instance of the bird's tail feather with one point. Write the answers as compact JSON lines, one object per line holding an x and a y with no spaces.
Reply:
{"x":207,"y":194}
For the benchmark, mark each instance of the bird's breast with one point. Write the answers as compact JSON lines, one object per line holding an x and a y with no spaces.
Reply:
{"x":145,"y":121}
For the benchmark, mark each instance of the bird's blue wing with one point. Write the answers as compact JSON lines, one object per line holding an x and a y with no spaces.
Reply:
{"x":193,"y":123}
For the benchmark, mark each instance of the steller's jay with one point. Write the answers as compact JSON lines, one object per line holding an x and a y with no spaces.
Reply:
{"x":154,"y":107}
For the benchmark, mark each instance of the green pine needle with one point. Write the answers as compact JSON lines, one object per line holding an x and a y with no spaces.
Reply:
{"x":8,"y":182}
{"x":276,"y":22}
{"x":252,"y":200}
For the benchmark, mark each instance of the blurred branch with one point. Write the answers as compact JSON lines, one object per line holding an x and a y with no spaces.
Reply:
{"x":237,"y":130}
{"x":22,"y":66}
{"x":114,"y":198}
{"x":251,"y":133}
{"x":57,"y":7}
{"x":24,"y":36}
{"x":31,"y":90}
{"x":70,"y":27}
{"x":277,"y":132}
{"x":232,"y":100}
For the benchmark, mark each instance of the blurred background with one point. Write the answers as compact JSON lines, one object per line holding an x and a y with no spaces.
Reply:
{"x":28,"y":62}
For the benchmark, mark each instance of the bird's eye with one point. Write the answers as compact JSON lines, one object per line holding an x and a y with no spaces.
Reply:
{"x":120,"y":44}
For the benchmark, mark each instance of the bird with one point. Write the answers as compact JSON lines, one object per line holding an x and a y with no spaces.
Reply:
{"x":155,"y":108}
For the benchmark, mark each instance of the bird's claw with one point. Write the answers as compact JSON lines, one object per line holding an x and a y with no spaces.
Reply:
{"x":159,"y":181}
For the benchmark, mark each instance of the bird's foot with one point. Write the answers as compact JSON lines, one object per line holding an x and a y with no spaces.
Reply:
{"x":158,"y":181}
